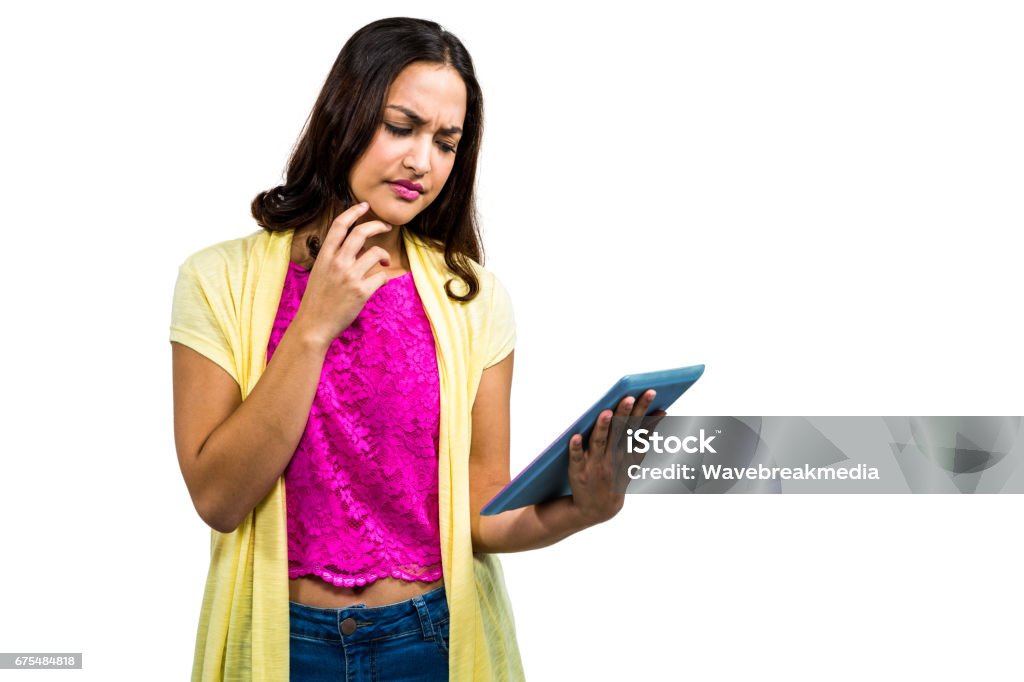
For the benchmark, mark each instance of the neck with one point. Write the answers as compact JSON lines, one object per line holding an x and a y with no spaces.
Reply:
{"x":391,"y":242}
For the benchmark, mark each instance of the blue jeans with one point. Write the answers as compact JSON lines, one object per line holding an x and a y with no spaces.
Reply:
{"x":407,"y":640}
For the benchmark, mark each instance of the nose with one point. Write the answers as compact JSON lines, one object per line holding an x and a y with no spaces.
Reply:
{"x":417,"y":159}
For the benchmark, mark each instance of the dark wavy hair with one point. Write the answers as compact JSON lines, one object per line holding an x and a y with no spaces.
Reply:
{"x":343,"y":122}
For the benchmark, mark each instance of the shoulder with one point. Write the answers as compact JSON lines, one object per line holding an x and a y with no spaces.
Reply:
{"x":490,"y":285}
{"x":492,"y":290}
{"x":223,"y":257}
{"x":492,"y":304}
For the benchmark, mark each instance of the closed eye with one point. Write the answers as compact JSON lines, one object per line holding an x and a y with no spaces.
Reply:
{"x":398,"y":131}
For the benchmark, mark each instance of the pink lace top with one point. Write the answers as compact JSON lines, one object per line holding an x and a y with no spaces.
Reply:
{"x":361,"y":489}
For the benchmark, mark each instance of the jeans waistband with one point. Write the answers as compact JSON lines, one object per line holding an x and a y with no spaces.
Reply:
{"x":359,"y":622}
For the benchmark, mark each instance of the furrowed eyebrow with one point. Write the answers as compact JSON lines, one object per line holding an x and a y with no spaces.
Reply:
{"x":418,"y":120}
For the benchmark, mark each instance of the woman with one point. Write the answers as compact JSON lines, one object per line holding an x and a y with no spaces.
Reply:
{"x":341,"y":390}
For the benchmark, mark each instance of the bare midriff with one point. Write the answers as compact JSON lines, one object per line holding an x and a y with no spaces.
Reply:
{"x":314,"y":591}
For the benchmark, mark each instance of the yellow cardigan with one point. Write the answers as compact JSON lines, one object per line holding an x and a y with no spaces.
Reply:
{"x":225,"y":301}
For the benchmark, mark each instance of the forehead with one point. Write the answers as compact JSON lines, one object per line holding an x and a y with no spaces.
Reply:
{"x":434,"y":91}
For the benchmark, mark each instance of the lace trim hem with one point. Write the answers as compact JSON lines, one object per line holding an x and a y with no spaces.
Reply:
{"x":348,"y":581}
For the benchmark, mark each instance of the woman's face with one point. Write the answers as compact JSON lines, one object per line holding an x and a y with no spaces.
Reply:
{"x":413,"y":151}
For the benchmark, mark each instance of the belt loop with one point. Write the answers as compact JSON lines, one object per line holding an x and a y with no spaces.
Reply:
{"x":425,"y":622}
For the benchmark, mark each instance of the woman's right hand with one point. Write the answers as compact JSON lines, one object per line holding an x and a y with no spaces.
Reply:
{"x":338,"y":286}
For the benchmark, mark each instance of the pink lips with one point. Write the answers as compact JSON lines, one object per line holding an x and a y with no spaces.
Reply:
{"x":406,"y":189}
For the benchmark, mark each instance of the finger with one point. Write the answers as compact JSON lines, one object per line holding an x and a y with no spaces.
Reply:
{"x":576,"y":449}
{"x":640,"y":408}
{"x":627,"y":408}
{"x":340,"y":226}
{"x":617,"y":439}
{"x":599,"y":437}
{"x":373,"y":255}
{"x":625,"y":405}
{"x":377,"y":281}
{"x":652,"y":420}
{"x":357,"y":236}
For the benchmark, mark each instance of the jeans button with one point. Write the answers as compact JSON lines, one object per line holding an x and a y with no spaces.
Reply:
{"x":348,"y":626}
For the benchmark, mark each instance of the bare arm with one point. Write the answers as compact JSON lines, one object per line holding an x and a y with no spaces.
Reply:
{"x":519,"y":529}
{"x":231,"y":452}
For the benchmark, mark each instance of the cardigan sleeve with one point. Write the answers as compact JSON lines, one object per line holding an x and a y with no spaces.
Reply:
{"x":501,"y":337}
{"x":195,"y":322}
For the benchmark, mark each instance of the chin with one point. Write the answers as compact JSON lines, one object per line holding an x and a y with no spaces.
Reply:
{"x":396,"y":215}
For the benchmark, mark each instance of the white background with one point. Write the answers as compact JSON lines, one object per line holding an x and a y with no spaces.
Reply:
{"x":821,"y":201}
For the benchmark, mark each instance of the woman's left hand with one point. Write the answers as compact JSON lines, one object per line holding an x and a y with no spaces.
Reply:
{"x":592,"y":471}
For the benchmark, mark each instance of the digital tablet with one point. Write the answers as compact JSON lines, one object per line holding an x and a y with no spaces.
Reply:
{"x":547,"y":476}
